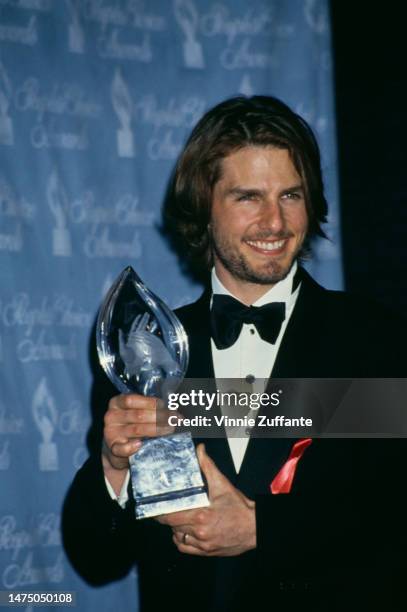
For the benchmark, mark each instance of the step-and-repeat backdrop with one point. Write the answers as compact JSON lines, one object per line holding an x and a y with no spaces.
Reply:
{"x":96,"y":100}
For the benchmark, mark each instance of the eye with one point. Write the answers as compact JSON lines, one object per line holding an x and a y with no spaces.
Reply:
{"x":292,"y":195}
{"x":247,"y":197}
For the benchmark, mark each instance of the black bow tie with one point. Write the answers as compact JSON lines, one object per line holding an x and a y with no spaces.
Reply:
{"x":228,"y":316}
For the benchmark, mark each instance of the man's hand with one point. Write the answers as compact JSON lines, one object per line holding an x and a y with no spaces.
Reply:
{"x":128,"y":419}
{"x":226,"y":528}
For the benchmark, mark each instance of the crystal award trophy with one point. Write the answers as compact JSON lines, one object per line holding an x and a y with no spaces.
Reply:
{"x":143,"y":349}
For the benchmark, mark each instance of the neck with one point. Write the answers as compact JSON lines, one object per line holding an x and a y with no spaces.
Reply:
{"x":246,"y":292}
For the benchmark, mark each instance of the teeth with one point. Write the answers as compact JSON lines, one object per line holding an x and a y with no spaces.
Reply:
{"x":266,"y":246}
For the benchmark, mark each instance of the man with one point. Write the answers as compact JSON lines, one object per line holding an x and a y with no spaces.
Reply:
{"x":247,"y":200}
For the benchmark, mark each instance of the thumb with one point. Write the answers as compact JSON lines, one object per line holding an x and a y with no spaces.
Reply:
{"x":217,"y":482}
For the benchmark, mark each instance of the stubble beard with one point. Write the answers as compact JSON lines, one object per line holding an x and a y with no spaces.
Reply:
{"x":239,"y":267}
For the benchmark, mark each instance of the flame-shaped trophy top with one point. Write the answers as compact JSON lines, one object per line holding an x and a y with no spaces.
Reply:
{"x":141,"y":344}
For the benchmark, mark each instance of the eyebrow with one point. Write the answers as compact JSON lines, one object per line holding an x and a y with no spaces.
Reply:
{"x":244,"y":191}
{"x":294,"y":188}
{"x":239,"y":191}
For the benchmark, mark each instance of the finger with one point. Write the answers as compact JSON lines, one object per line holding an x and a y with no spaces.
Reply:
{"x":184,"y":518}
{"x":134,"y":400}
{"x":118,"y":457}
{"x":132,"y":409}
{"x":130,"y":417}
{"x":121,"y":418}
{"x":198,"y":534}
{"x":141,"y":430}
{"x":217,"y":482}
{"x":164,"y":415}
{"x":123,"y":433}
{"x":186,"y":539}
{"x":190,"y":548}
{"x":192,"y":536}
{"x":140,"y":415}
{"x":123,"y":450}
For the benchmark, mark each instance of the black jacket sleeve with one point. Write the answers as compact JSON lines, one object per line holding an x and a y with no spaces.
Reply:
{"x":98,"y":535}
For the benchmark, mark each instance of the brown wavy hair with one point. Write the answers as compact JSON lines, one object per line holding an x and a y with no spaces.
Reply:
{"x":236,"y":123}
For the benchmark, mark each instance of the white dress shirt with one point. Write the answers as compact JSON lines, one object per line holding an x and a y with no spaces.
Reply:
{"x":249,"y":356}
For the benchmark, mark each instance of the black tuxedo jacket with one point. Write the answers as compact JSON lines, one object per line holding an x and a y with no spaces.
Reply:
{"x":335,"y":542}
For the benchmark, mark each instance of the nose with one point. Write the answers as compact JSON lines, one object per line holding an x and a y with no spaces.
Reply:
{"x":272,"y":217}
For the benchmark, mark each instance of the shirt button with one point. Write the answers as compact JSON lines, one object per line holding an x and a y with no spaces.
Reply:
{"x":250,"y":378}
{"x":252,"y":331}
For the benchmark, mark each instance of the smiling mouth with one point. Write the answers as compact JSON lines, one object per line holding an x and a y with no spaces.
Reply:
{"x":272,"y":245}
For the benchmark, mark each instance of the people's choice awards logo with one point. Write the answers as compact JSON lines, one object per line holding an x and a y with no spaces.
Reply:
{"x":188,"y":20}
{"x":46,"y":419}
{"x":25,"y":550}
{"x":6,"y":125}
{"x":58,"y":204}
{"x":76,"y":38}
{"x":123,"y":107}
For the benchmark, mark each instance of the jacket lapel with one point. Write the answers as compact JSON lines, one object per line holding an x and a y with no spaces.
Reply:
{"x":196,"y":321}
{"x":300,"y":338}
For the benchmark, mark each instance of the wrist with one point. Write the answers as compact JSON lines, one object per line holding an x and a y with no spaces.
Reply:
{"x":252,"y":540}
{"x":115,"y":476}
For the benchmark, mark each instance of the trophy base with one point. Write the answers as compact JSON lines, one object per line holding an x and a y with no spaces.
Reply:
{"x":166,"y":477}
{"x":150,"y":509}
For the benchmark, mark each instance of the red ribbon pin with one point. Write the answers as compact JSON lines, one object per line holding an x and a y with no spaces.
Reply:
{"x":283,"y":481}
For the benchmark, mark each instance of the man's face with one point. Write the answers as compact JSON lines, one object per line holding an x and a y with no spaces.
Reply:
{"x":258,"y":219}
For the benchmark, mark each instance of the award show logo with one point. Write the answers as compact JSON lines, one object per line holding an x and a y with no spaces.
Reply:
{"x":123,"y":107}
{"x":76,"y":37}
{"x":46,"y":419}
{"x":6,"y":125}
{"x":16,"y":212}
{"x":187,"y":18}
{"x":58,"y":204}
